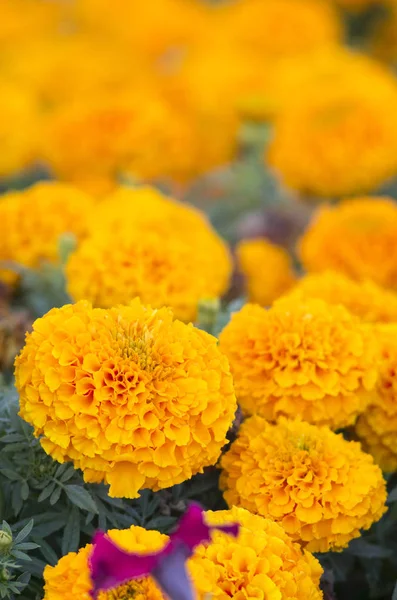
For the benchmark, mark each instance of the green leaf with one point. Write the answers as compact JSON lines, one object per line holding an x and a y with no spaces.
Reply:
{"x":11,"y":475}
{"x":359,"y":547}
{"x":24,"y":532}
{"x":24,"y":491}
{"x":47,"y":551}
{"x":81,"y":498}
{"x":71,"y":535}
{"x":46,"y":492}
{"x":392,"y":497}
{"x":56,"y":494}
{"x":394,"y":596}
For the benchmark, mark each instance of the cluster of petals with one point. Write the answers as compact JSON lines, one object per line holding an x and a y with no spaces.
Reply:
{"x":164,"y":252}
{"x":377,"y":426}
{"x":357,"y":237}
{"x":262,"y":562}
{"x":316,"y":137}
{"x":32,"y":222}
{"x":369,"y":301}
{"x":130,"y":395}
{"x":267,"y":269}
{"x":320,"y":487}
{"x":305,"y":359}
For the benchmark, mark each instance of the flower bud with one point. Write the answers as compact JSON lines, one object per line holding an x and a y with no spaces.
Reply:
{"x":5,"y":541}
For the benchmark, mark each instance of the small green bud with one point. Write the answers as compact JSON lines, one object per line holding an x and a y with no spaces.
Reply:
{"x":207,"y":313}
{"x":66,"y":245}
{"x":5,"y":574}
{"x":5,"y":541}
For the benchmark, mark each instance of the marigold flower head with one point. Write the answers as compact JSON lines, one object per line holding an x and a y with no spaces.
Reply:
{"x":377,"y":426}
{"x":356,"y":237}
{"x":164,"y":252}
{"x":316,"y":138}
{"x":150,"y":30}
{"x":304,"y":359}
{"x":285,"y":82}
{"x":365,"y":299}
{"x":267,"y":268}
{"x":19,"y":128}
{"x":131,"y":396}
{"x":277,"y":28}
{"x":71,"y":575}
{"x":320,"y":487}
{"x":261,"y":562}
{"x":32,"y":221}
{"x":141,"y":134}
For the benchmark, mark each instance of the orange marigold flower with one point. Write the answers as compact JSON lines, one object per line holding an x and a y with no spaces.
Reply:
{"x":301,"y":359}
{"x":71,"y":575}
{"x":365,"y":299}
{"x":32,"y":221}
{"x":131,"y":396}
{"x":357,"y":237}
{"x":139,"y":133}
{"x":19,"y":128}
{"x":277,"y":28}
{"x":286,"y":81}
{"x":320,"y":487}
{"x":320,"y":145}
{"x":267,"y":268}
{"x":164,"y":252}
{"x":261,"y":562}
{"x":377,"y":427}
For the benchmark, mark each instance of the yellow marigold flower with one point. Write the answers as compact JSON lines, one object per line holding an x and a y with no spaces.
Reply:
{"x":144,"y":133}
{"x":321,"y":143}
{"x":276,"y":28}
{"x":131,"y":396}
{"x":301,"y":359}
{"x":320,"y":487}
{"x":32,"y":221}
{"x":71,"y":576}
{"x":285,"y":82}
{"x":267,"y":268}
{"x":356,"y":237}
{"x":365,"y":299}
{"x":377,"y":427}
{"x":19,"y":128}
{"x":150,"y":30}
{"x":261,"y":562}
{"x":164,"y":252}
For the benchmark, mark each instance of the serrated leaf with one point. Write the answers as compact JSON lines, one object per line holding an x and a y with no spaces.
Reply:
{"x":81,"y":498}
{"x":24,"y":532}
{"x":71,"y":535}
